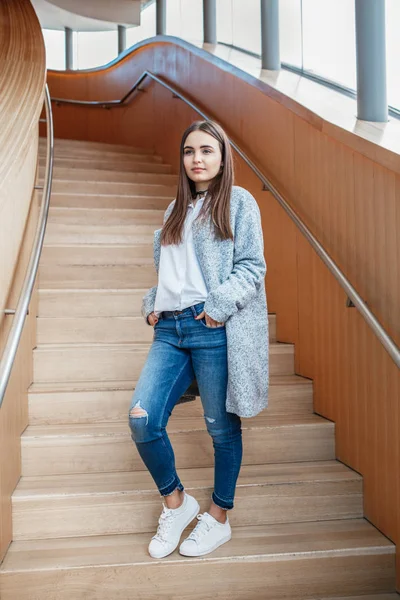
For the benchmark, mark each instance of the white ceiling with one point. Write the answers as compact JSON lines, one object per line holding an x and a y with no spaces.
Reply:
{"x":88,"y":15}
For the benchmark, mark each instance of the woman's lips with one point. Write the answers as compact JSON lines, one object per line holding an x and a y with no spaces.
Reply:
{"x":198,"y":170}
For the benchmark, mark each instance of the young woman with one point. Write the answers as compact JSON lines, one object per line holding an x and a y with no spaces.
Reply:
{"x":209,"y":314}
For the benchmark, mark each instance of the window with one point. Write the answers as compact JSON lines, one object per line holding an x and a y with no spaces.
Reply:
{"x":146,"y":29}
{"x":55,"y":49}
{"x":185,"y":19}
{"x":290,"y":32}
{"x":225,"y":21}
{"x":95,"y":48}
{"x":329,"y":47}
{"x":393,"y":52}
{"x":246,"y":25}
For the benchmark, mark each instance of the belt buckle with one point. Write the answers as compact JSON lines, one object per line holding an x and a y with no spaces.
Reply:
{"x":178,"y":312}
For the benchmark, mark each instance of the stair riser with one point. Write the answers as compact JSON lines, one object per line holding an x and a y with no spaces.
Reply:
{"x":140,"y":201}
{"x":134,"y":176}
{"x":103,"y":155}
{"x":98,"y":148}
{"x":94,"y":363}
{"x":112,"y":405}
{"x":238,"y":579}
{"x":138,"y":513}
{"x":108,"y":330}
{"x":90,"y":303}
{"x":95,"y":277}
{"x":125,"y":189}
{"x":53,"y":256}
{"x":141,"y":165}
{"x":99,"y":303}
{"x":67,"y":234}
{"x":105,"y":217}
{"x":102,"y":454}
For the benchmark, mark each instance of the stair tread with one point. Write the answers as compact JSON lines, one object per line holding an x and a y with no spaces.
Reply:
{"x":268,"y":542}
{"x":83,"y":386}
{"x":66,"y":142}
{"x":177,"y":423}
{"x":140,"y":482}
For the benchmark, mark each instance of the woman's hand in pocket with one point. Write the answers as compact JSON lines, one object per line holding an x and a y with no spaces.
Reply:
{"x":209,"y":321}
{"x":152,"y":319}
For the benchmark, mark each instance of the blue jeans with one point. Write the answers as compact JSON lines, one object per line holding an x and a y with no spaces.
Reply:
{"x":183,"y":349}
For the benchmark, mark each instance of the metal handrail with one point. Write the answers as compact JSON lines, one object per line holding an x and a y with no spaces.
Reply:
{"x":21,"y":311}
{"x":388,"y":343}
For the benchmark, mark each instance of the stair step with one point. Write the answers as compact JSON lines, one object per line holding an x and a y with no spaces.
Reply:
{"x":105,"y":216}
{"x":107,"y":447}
{"x":148,"y":188}
{"x":108,"y":503}
{"x":107,"y":176}
{"x":113,"y":155}
{"x":267,"y":562}
{"x":100,"y":147}
{"x":110,"y":200}
{"x":102,"y":226}
{"x":140,"y":164}
{"x":101,"y":276}
{"x":102,"y":330}
{"x":97,"y":254}
{"x":97,"y":402}
{"x":90,"y":303}
{"x":116,"y":362}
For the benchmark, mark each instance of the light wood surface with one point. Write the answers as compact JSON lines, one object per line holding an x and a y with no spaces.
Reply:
{"x":22,"y":77}
{"x":115,"y":362}
{"x":109,"y":201}
{"x":345,"y":187}
{"x":92,"y":402}
{"x":261,"y":562}
{"x":82,"y":477}
{"x":107,"y":330}
{"x":106,"y":447}
{"x":111,"y":503}
{"x":142,"y":164}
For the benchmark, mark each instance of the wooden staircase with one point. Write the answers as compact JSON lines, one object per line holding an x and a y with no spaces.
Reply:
{"x":85,"y":508}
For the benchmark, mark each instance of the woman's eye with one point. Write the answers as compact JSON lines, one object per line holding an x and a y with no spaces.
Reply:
{"x":187,"y":152}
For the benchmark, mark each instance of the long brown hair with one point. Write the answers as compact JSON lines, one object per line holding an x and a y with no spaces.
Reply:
{"x":217,"y":202}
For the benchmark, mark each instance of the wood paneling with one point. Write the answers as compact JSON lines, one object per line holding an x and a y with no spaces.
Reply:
{"x":22,"y":78}
{"x":350,"y":200}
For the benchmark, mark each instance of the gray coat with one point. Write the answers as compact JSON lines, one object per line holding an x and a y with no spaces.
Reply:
{"x":234,"y":272}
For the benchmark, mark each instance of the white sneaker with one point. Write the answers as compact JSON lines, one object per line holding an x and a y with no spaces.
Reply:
{"x":171,"y":524}
{"x":208,"y":535}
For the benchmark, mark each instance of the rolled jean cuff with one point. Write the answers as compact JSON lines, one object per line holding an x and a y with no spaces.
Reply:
{"x":169,"y":489}
{"x":224,"y":504}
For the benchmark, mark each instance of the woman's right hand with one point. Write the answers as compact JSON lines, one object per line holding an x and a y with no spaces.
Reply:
{"x":152,"y":319}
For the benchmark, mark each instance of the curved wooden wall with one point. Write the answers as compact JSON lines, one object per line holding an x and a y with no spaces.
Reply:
{"x":22,"y":80}
{"x":347,"y":190}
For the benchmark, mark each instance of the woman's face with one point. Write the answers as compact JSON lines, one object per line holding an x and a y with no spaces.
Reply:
{"x":202,"y":158}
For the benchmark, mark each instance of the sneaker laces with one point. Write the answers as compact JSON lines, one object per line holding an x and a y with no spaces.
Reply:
{"x":164,"y":525}
{"x":205,"y":524}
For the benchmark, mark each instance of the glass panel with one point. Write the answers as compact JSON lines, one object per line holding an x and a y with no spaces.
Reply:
{"x":185,"y":19}
{"x":393,"y":51}
{"x":225,"y":21}
{"x":329,"y":47}
{"x":192,"y":20}
{"x":290,"y":36}
{"x":55,"y":49}
{"x":146,"y":29}
{"x":96,"y":48}
{"x":247,"y":25}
